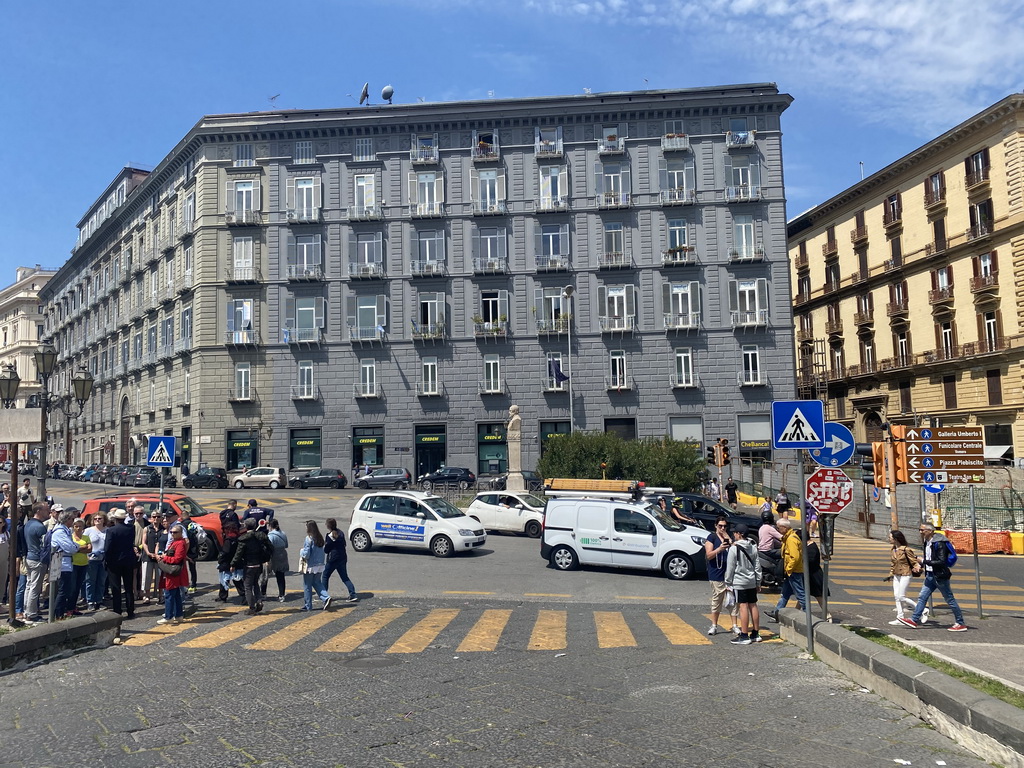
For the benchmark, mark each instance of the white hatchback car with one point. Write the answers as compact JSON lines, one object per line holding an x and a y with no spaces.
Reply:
{"x":261,"y":477}
{"x":413,"y":519}
{"x":518,"y":512}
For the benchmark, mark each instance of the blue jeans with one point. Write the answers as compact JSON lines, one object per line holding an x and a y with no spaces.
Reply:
{"x":341,"y":566}
{"x":19,"y":596}
{"x":172,"y":604}
{"x":793,"y":585}
{"x":79,"y":586}
{"x":65,"y":594}
{"x":95,"y":582}
{"x":310,"y":582}
{"x":929,"y":586}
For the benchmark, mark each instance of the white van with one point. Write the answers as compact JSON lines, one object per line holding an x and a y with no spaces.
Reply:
{"x":512,"y":511}
{"x":621,"y":534}
{"x":413,"y":519}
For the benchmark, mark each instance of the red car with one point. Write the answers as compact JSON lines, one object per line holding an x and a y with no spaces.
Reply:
{"x":179,"y":502}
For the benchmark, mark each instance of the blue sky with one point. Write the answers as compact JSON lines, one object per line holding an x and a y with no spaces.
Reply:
{"x":91,"y":87}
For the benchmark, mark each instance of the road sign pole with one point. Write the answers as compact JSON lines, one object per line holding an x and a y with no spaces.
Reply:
{"x":977,"y":560}
{"x":893,"y":483}
{"x":805,"y":538}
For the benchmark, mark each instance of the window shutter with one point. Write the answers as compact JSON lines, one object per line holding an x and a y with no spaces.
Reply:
{"x":995,"y":264}
{"x":626,"y":189}
{"x":413,"y":186}
{"x":967,"y":165}
{"x":501,"y":185}
{"x":734,"y":296}
{"x":563,"y":240}
{"x":689,"y":174}
{"x":602,"y":301}
{"x":441,"y":307}
{"x":927,"y":187}
{"x":378,"y":247}
{"x":630,"y":301}
{"x":935,"y":279}
{"x":320,"y":312}
{"x":942,"y":183}
{"x":755,"y":172}
{"x":666,"y":298}
{"x":538,"y":302}
{"x":543,"y":183}
{"x":317,"y":191}
{"x":694,"y":296}
{"x":536,"y":135}
{"x":353,"y":247}
{"x":256,"y":194}
{"x":599,"y":178}
{"x":663,"y":174}
{"x":474,"y":185}
{"x":231,"y":317}
{"x":563,"y":181}
{"x":952,"y":327}
{"x":938,"y":336}
{"x":728,"y":170}
{"x":949,"y":275}
{"x":478,"y":243}
{"x":558,"y":138}
{"x":382,"y":311}
{"x":289,"y":199}
{"x":439,"y":187}
{"x":350,"y":310}
{"x":289,"y":312}
{"x":318,"y":253}
{"x":984,"y":155}
{"x":229,"y":198}
{"x":503,"y":304}
{"x":892,"y":294}
{"x":762,"y":294}
{"x":899,"y":205}
{"x":502,"y":245}
{"x":476,"y":139}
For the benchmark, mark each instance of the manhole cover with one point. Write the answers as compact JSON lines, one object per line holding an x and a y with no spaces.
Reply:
{"x":369,"y":662}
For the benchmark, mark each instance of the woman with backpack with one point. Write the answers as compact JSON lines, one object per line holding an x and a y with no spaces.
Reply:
{"x":279,"y":559}
{"x":902,"y":569}
{"x":312,"y":565}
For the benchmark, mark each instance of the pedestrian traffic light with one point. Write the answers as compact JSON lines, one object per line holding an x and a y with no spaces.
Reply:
{"x":712,"y":454}
{"x":725,"y":452}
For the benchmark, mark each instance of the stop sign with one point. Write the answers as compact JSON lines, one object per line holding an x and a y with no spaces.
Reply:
{"x":830,"y":490}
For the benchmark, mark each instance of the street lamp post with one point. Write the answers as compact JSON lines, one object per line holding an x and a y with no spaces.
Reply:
{"x":9,"y":383}
{"x":567,"y":293}
{"x":71,"y":405}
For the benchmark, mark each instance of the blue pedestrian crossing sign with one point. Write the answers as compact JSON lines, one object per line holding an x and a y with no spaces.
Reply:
{"x":160,"y":452}
{"x":798,"y":424}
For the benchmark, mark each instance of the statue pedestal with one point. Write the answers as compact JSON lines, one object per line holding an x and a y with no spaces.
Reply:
{"x":515,"y":482}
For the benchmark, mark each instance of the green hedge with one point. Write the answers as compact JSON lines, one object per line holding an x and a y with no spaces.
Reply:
{"x":657,"y":462}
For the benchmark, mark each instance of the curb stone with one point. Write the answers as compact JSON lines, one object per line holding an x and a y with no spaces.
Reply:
{"x":45,"y":642}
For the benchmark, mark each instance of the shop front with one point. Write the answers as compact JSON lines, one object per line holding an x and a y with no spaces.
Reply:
{"x":368,"y":446}
{"x":756,"y":437}
{"x":243,"y":450}
{"x":552,"y":429}
{"x":304,"y":449}
{"x":431,"y":448}
{"x":492,"y":449}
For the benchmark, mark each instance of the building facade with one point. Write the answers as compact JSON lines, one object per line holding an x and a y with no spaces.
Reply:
{"x":907,"y":287}
{"x":378,"y":285}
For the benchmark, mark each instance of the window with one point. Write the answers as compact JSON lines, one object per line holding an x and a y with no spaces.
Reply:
{"x":424,"y":148}
{"x":867,"y":354}
{"x":489,"y":249}
{"x":949,"y":391}
{"x":430,"y":321}
{"x":935,"y":190}
{"x":942,"y":279}
{"x":744,"y":246}
{"x":243,"y":381}
{"x":186,"y":259}
{"x":243,"y":155}
{"x":304,"y":380}
{"x":995,"y":387}
{"x":137,"y":346}
{"x":614,"y":244}
{"x":742,"y":178}
{"x":365,"y":195}
{"x":367,"y":386}
{"x":151,"y":332}
{"x":368,"y":253}
{"x":186,"y":391}
{"x":681,"y":304}
{"x":554,"y":187}
{"x":485,"y":145}
{"x":429,"y":251}
{"x":304,"y":256}
{"x":552,"y":246}
{"x":167,"y":333}
{"x":304,"y":318}
{"x":990,"y":331}
{"x":748,"y":301}
{"x":892,"y":209}
{"x":617,"y":307}
{"x":557,"y":378}
{"x":548,"y":141}
{"x":612,"y":184}
{"x":364,"y":150}
{"x":684,"y":368}
{"x":674,"y":128}
{"x":492,"y":374}
{"x":976,"y":167}
{"x":367,"y":317}
{"x":617,"y":375}
{"x":551,"y":310}
{"x":304,"y":152}
{"x":751,"y":365}
{"x":946,"y":340}
{"x":242,"y":258}
{"x":240,"y":321}
{"x":426,"y":193}
{"x":488,"y":190}
{"x":981,"y":219}
{"x":906,"y":405}
{"x":186,"y":324}
{"x":902,"y":346}
{"x":678,"y":179}
{"x":303,"y":198}
{"x":986,"y":265}
{"x":428,"y":376}
{"x":678,"y":236}
{"x":493,"y":310}
{"x":243,"y":198}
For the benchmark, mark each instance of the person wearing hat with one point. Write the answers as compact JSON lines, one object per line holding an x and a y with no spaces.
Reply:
{"x":253,"y":511}
{"x":743,"y":577}
{"x":121,"y":558}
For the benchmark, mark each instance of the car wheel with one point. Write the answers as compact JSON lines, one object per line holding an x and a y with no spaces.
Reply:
{"x":397,"y":486}
{"x":426,"y":485}
{"x":334,"y":484}
{"x":188,"y":484}
{"x":442,"y":546}
{"x":361,"y":540}
{"x":532,"y":529}
{"x":677,"y":566}
{"x":363,"y":484}
{"x":239,"y":484}
{"x":564,"y":559}
{"x":208,"y":548}
{"x":463,"y":485}
{"x":222,"y":484}
{"x":274,"y":485}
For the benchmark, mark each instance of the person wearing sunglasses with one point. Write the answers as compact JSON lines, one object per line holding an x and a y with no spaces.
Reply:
{"x":716,"y":550}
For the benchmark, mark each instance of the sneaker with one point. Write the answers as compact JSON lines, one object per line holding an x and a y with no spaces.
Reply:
{"x":306,"y":608}
{"x":327,"y":603}
{"x":352,"y":599}
{"x":896,"y":622}
{"x":259,"y":607}
{"x":191,"y":590}
{"x":924,"y":616}
{"x":280,"y":599}
{"x":713,"y":630}
{"x":773,"y":615}
{"x":958,"y":628}
{"x":736,"y":630}
{"x":741,"y":639}
{"x":37,"y":619}
{"x":175,"y":621}
{"x":908,"y":623}
{"x":756,"y":638}
{"x":163,"y":621}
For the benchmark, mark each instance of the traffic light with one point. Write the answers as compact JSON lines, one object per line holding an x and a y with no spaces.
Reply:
{"x":879,"y":460}
{"x":725,"y":451}
{"x":712,"y":454}
{"x":898,"y":435}
{"x":868,"y":468}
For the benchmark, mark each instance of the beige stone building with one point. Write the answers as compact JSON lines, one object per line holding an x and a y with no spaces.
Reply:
{"x":907,"y":303}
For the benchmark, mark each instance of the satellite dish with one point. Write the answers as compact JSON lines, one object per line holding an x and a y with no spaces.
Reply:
{"x":365,"y":93}
{"x":387,"y":92}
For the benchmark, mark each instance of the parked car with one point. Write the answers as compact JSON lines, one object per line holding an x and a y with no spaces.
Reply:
{"x":179,"y":502}
{"x":100,"y":473}
{"x":706,"y":510}
{"x":413,"y":519}
{"x":533,"y":482}
{"x":149,"y":477}
{"x":261,"y":477}
{"x":319,"y":478}
{"x":207,"y":477}
{"x":459,"y":476}
{"x":509,"y":511}
{"x":385,"y":477}
{"x":122,"y":476}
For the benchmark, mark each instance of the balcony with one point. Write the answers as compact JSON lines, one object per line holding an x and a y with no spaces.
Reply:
{"x":167,"y":293}
{"x":554,"y":263}
{"x":429,"y":389}
{"x":675,"y":142}
{"x":801,"y":298}
{"x":366,"y":271}
{"x":613,"y":200}
{"x":492,"y":208}
{"x":555,"y":327}
{"x":241,"y":395}
{"x":424,"y":154}
{"x":490,"y":266}
{"x":684,"y":382}
{"x":934,"y":247}
{"x":427,"y":331}
{"x":864,"y":369}
{"x":305,"y":392}
{"x":611,"y":145}
{"x":490,"y":329}
{"x":743,"y":193}
{"x":427,"y":268}
{"x":749,"y":319}
{"x":834,"y":327}
{"x":149,"y":358}
{"x":892,"y":265}
{"x":548,"y":148}
{"x":941,"y":296}
{"x":553,"y":204}
{"x":830,"y":286}
{"x":831,"y":248}
{"x":934,"y":199}
{"x":426,"y":210}
{"x":550,"y":384}
{"x":858,"y":277}
{"x":246,"y":338}
{"x":680,"y":255}
{"x":485,"y":152}
{"x":182,"y":344}
{"x":242,"y":274}
{"x":867,"y":317}
{"x":803,"y":335}
{"x":977,"y":179}
{"x":150,"y":253}
{"x":303,"y":336}
{"x":185,"y":284}
{"x":892,"y":219}
{"x":491,"y":387}
{"x":309,"y":215}
{"x":897,"y":308}
{"x":801,"y":261}
{"x":615,"y":260}
{"x":739,"y":139}
{"x":618,"y":383}
{"x":978,"y":232}
{"x":305,"y":272}
{"x":751,"y":379}
{"x":986,"y":346}
{"x":685,"y":321}
{"x":746,"y":253}
{"x":985,"y":283}
{"x":892,"y":363}
{"x":680,"y":196}
{"x":168,"y":241}
{"x":166,"y":352}
{"x":859,"y":235}
{"x":244,"y":218}
{"x":120,"y":369}
{"x":365,"y":213}
{"x":359,"y":334}
{"x":615,"y":324}
{"x":941,"y":355}
{"x":366,"y":390}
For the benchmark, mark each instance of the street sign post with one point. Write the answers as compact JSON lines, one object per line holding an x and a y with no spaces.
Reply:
{"x":830,"y":490}
{"x":160,"y":453}
{"x":798,"y":424}
{"x":839,"y":446}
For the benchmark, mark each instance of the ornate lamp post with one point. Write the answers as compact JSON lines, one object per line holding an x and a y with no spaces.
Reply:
{"x":71,"y":405}
{"x":9,"y":383}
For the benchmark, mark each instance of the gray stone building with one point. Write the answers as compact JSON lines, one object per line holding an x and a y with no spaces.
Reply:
{"x":379,"y":284}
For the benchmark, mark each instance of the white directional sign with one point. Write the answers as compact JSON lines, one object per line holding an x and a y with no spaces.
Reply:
{"x":945,"y":455}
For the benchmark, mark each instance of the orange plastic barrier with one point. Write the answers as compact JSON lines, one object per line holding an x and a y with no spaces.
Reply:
{"x":989,"y":542}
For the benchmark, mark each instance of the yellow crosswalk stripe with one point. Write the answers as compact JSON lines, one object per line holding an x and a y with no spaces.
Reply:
{"x":612,"y":630}
{"x":725,"y":622}
{"x":161,"y":631}
{"x":845,"y":581}
{"x":549,"y":631}
{"x":677,"y":631}
{"x":424,"y":631}
{"x":231,"y":632}
{"x":354,"y":636}
{"x":486,"y":633}
{"x":288,"y":636}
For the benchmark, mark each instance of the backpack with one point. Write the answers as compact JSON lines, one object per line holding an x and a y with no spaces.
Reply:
{"x":47,"y":548}
{"x":268,"y":547}
{"x":950,"y":554}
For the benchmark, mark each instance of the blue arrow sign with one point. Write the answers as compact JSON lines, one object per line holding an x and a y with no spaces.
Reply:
{"x":937,"y":488}
{"x":160,"y":452}
{"x":839,"y":446}
{"x":798,"y":424}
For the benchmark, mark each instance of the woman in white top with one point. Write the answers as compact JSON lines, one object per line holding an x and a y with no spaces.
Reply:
{"x":96,"y":576}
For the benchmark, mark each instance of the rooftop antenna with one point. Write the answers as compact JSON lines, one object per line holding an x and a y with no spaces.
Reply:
{"x":364,"y":95}
{"x":490,"y":94}
{"x":273,"y":99}
{"x":862,"y":170}
{"x":421,"y":100}
{"x":387,"y":92}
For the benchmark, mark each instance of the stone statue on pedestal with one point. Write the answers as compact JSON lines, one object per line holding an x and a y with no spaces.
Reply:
{"x":514,"y":438}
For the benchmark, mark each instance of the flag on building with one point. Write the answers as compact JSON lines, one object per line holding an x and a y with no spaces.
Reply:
{"x":555,"y":371}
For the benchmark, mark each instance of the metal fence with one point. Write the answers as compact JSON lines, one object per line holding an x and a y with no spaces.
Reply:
{"x":997,"y":509}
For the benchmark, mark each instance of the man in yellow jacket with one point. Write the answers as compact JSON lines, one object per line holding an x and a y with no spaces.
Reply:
{"x":793,"y":565}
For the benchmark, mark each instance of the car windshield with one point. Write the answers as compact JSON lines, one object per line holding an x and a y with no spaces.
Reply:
{"x":532,"y":500}
{"x":192,"y":507}
{"x":442,"y":507}
{"x":664,"y":520}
